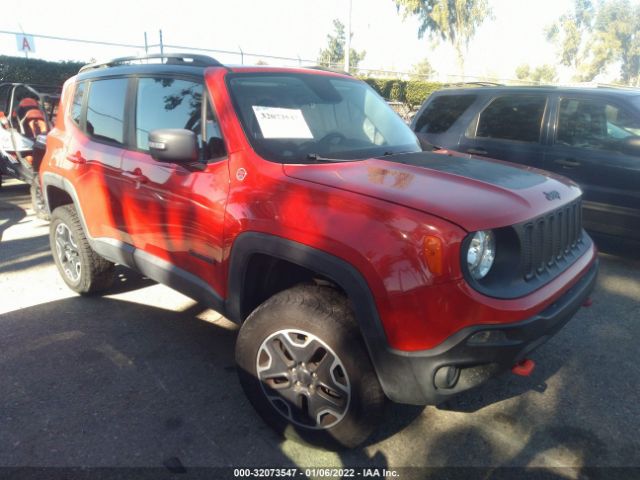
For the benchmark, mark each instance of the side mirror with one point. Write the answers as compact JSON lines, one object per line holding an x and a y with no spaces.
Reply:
{"x":631,"y":146}
{"x":173,"y":145}
{"x":424,"y":143}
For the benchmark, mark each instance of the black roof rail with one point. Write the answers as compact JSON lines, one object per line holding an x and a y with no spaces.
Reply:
{"x":186,"y":59}
{"x":477,"y":84}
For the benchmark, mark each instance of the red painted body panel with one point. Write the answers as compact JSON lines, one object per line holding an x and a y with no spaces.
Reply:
{"x":472,"y":204}
{"x":373,"y":214}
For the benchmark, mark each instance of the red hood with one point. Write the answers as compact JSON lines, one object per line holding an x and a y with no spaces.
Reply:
{"x":474,"y":193}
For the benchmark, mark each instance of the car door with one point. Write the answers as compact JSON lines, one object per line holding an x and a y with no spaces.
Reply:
{"x":593,"y":145}
{"x":175,"y":212}
{"x":509,"y":128}
{"x":94,"y":150}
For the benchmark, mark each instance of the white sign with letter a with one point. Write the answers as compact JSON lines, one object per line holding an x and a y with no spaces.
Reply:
{"x":25,"y":43}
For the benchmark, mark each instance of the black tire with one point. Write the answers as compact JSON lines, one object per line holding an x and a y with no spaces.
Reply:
{"x":37,"y":200}
{"x":95,"y":274}
{"x":324,"y":316}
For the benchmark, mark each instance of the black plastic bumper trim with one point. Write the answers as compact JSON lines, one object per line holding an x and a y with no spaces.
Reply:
{"x":478,"y":362}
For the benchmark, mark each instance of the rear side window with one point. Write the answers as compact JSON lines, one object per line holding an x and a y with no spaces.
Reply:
{"x":594,"y":124}
{"x":167,"y":103}
{"x":105,"y":110}
{"x":442,"y":112}
{"x":76,"y":103}
{"x":513,"y":117}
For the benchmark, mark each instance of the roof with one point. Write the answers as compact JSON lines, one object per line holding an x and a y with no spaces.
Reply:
{"x":272,"y":69}
{"x":491,"y":90}
{"x":182,"y":63}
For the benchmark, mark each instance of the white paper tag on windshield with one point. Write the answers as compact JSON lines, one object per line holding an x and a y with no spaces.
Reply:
{"x":282,"y":122}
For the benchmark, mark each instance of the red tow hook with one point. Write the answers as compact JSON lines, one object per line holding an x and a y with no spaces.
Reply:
{"x":588,"y":302}
{"x":524,"y":368}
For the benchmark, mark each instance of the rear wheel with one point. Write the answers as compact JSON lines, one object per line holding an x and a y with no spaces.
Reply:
{"x":304,"y":367}
{"x":82,"y":269}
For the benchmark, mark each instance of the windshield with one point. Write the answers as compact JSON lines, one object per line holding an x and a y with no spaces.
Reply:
{"x":293,"y":118}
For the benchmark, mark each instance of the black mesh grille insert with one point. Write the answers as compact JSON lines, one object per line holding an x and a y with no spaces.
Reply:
{"x":548,"y":239}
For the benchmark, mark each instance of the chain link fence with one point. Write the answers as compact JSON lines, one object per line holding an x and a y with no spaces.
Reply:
{"x":103,"y":50}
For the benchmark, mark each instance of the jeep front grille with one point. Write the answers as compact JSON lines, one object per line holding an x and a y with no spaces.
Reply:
{"x":550,"y":239}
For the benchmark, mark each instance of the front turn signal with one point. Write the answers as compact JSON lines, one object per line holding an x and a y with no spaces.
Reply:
{"x":433,"y":254}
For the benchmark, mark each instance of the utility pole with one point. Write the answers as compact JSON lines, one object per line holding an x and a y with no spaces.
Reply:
{"x":347,"y":44}
{"x":161,"y":44}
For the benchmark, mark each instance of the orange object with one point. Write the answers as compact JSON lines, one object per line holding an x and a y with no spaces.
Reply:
{"x":3,"y":120}
{"x":524,"y":368}
{"x":35,"y":123}
{"x":433,"y":254}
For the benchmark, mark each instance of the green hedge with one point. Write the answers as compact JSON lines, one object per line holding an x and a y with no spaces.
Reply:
{"x":410,"y":92}
{"x":18,"y":69}
{"x":28,"y":70}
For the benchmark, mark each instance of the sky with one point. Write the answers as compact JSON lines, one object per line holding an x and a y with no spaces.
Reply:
{"x":289,"y":28}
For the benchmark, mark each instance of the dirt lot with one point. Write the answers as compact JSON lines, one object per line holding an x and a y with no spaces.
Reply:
{"x":144,"y":377}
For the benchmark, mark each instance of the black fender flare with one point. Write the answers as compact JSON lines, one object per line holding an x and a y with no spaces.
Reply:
{"x":390,"y":368}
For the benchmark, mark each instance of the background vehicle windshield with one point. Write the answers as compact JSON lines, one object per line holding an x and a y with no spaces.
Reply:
{"x":293,"y":117}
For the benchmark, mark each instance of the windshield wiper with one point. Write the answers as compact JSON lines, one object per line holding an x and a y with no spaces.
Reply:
{"x":319,"y":158}
{"x":388,"y":154}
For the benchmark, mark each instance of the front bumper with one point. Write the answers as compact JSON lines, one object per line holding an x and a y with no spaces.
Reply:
{"x":474,"y":354}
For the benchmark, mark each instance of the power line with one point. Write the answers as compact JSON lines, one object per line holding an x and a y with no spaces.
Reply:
{"x":78,"y":40}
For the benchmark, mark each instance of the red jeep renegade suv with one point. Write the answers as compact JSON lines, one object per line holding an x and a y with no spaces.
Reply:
{"x":298,"y":204}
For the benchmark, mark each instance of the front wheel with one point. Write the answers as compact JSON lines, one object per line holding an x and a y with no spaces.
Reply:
{"x":304,"y":367}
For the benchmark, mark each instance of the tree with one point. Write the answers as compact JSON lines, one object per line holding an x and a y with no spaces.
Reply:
{"x":333,"y":55}
{"x":592,"y":37}
{"x":617,"y":39}
{"x":571,"y":32}
{"x":452,"y":21}
{"x":523,"y":72}
{"x":422,"y":69}
{"x":541,"y":74}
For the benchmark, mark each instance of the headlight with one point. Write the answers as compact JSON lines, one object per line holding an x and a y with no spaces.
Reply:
{"x":481,"y":254}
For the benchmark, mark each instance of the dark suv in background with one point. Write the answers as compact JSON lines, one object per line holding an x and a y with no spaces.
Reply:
{"x":591,"y":135}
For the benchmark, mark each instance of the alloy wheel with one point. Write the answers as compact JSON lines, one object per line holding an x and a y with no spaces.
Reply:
{"x":303,"y":378}
{"x":68,"y":253}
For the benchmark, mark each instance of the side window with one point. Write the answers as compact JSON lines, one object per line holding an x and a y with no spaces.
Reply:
{"x":594,"y":124}
{"x":105,"y":109}
{"x":213,"y":145}
{"x":513,"y":117}
{"x":173,"y":103}
{"x":167,"y":103}
{"x":76,"y":103}
{"x":443,"y":112}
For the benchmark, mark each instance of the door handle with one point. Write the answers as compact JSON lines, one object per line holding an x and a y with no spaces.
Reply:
{"x":76,"y":158}
{"x":567,"y":162}
{"x":136,"y":176}
{"x":477,"y":151}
